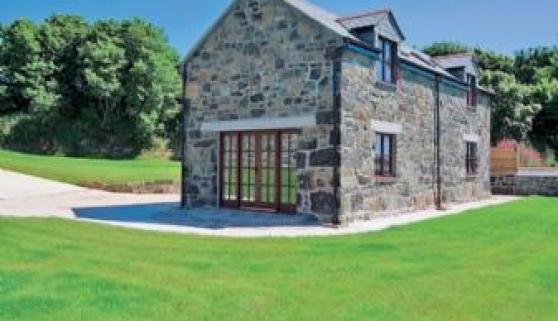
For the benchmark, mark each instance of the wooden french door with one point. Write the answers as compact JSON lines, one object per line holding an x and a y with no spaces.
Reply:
{"x":258,"y":170}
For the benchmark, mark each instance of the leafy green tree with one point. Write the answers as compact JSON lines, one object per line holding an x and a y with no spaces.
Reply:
{"x":529,"y":61}
{"x":512,"y":111}
{"x":545,"y":127}
{"x":445,"y":48}
{"x":155,"y":85}
{"x":493,"y":61}
{"x":103,"y":59}
{"x":514,"y":107}
{"x":21,"y":59}
{"x":61,"y":36}
{"x":108,"y":88}
{"x":538,"y":67}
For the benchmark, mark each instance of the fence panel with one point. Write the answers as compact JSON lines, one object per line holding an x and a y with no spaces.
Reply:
{"x":504,"y":160}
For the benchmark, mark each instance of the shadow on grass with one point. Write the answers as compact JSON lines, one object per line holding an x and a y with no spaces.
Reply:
{"x":210,"y":218}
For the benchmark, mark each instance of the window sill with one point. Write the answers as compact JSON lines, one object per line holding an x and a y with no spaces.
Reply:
{"x":471,"y":177}
{"x":387,"y":86}
{"x":385,"y":180}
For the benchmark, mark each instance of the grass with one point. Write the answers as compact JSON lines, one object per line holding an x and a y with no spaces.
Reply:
{"x":83,"y":171}
{"x":498,"y":263}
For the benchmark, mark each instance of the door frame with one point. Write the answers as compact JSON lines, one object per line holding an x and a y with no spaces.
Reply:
{"x":277,"y":205}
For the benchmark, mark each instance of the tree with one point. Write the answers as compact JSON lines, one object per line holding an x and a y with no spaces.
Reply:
{"x":103,"y":59}
{"x":156,"y":84}
{"x":538,"y":67}
{"x":529,"y":61}
{"x":445,"y":48}
{"x":60,"y":37}
{"x":493,"y":61}
{"x":513,"y":106}
{"x":512,"y":111}
{"x":108,"y":88}
{"x":33,"y":88}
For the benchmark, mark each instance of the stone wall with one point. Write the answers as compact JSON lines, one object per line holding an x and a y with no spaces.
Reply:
{"x":410,"y":104}
{"x":264,"y":60}
{"x":546,"y":185}
{"x":267,"y":60}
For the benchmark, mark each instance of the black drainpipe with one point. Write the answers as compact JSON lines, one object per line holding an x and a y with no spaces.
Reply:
{"x":438,"y":197}
{"x":184,"y":137}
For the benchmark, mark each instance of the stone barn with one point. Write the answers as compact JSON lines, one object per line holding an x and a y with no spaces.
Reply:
{"x":292,"y":109}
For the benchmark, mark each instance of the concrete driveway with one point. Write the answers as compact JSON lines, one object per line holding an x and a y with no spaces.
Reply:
{"x":28,"y":196}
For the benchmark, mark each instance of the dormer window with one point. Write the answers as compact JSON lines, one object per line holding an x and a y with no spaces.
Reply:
{"x":387,"y":68}
{"x":472,"y":93}
{"x":365,"y":34}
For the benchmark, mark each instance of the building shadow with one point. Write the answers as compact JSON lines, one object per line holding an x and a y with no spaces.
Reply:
{"x":210,"y":218}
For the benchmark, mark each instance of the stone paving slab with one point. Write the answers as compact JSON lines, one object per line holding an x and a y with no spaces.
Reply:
{"x":254,"y":225}
{"x":29,"y":196}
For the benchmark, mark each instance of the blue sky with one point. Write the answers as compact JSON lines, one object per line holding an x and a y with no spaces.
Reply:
{"x":502,"y":25}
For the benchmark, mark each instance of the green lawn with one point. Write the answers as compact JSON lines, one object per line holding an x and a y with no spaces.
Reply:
{"x":499,"y":263}
{"x":81,"y":171}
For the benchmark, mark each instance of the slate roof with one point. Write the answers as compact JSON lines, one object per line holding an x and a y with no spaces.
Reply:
{"x":362,"y":20}
{"x":370,"y":18}
{"x":341,"y":26}
{"x":423,"y":60}
{"x":455,"y":61}
{"x":322,"y":16}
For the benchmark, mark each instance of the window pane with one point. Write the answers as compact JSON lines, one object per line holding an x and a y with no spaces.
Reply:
{"x":379,"y":70}
{"x":388,"y":51}
{"x":387,"y":146}
{"x":264,"y":194}
{"x":285,"y":195}
{"x":378,"y":145}
{"x":388,"y":73}
{"x":233,"y":192}
{"x":285,"y":174}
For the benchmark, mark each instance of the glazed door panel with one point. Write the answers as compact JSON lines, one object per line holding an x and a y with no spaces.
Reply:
{"x":258,"y":170}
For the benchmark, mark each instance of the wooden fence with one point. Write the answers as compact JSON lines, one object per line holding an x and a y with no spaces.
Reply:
{"x":504,"y":160}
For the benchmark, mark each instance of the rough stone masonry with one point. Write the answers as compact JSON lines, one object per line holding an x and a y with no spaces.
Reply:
{"x":267,"y":59}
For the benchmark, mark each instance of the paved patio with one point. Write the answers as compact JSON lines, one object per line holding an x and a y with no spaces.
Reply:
{"x":27,"y":196}
{"x":201,"y":218}
{"x":245,"y":224}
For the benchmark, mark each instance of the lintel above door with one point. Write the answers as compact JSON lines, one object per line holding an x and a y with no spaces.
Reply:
{"x":260,"y":123}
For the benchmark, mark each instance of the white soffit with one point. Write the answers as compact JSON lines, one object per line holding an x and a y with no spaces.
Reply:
{"x":386,"y":128}
{"x":471,"y":138}
{"x":260,"y":123}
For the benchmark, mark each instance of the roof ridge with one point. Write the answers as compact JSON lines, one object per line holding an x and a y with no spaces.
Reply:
{"x":365,"y":14}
